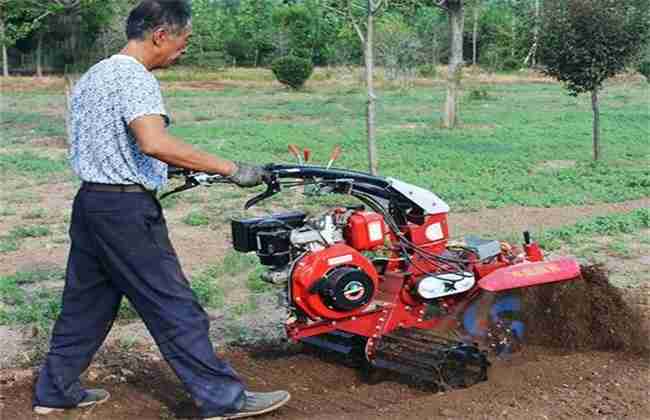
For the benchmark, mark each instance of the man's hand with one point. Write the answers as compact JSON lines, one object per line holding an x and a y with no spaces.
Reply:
{"x":248,"y":175}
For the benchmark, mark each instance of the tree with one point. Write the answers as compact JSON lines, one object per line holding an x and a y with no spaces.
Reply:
{"x":18,"y":18}
{"x":585,"y":42}
{"x":455,"y":14}
{"x":476,"y":9}
{"x":361,"y":14}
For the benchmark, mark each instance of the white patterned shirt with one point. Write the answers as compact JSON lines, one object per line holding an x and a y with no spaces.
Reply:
{"x":106,"y":99}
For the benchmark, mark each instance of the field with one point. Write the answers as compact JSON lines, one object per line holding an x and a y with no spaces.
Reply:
{"x":521,"y":160}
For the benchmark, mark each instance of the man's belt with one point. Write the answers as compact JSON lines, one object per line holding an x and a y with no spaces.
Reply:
{"x":93,"y":186}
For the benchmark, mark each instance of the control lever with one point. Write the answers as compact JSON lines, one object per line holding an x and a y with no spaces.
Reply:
{"x":272,"y":188}
{"x":295,"y":151}
{"x":335,"y":155}
{"x":190,"y":182}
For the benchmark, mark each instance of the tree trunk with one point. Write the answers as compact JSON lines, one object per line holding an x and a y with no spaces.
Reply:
{"x":535,"y":34}
{"x":5,"y":58}
{"x":5,"y":61}
{"x":475,"y":32}
{"x":513,"y":28}
{"x":39,"y":56}
{"x":370,"y":115}
{"x":455,"y":70}
{"x":596,"y":109}
{"x":70,"y":81}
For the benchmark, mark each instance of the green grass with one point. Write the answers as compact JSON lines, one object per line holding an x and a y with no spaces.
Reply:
{"x":6,"y":211}
{"x":29,"y":163}
{"x":610,"y":225}
{"x":35,"y":231}
{"x":34,"y":214}
{"x":23,"y":302}
{"x":491,"y":161}
{"x":8,"y":244}
{"x":499,"y":156}
{"x":196,"y":218}
{"x":22,"y":305}
{"x":11,"y":242}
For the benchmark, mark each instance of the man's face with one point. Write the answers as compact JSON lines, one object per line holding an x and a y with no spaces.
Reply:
{"x":170,"y":46}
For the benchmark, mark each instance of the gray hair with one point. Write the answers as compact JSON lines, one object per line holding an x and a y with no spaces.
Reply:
{"x":152,"y":14}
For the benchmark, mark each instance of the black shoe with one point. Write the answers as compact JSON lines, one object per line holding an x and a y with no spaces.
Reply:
{"x":91,"y":397}
{"x":257,"y":403}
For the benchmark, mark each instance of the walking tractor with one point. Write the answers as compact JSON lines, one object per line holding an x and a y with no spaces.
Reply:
{"x":383,"y":282}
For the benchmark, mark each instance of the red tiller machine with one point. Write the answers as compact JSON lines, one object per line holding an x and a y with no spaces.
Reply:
{"x":382,"y":282}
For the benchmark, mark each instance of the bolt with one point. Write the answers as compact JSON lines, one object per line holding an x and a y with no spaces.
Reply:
{"x":381,"y":319}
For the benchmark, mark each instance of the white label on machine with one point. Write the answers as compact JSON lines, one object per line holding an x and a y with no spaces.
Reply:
{"x":434,"y":232}
{"x":339,"y":260}
{"x":374,"y":231}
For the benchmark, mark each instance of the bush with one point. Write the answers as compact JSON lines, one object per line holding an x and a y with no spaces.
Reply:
{"x":427,"y":70}
{"x":644,"y":69}
{"x":478,"y":94}
{"x":292,"y":71}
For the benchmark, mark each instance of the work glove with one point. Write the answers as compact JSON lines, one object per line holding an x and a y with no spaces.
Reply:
{"x":248,"y":175}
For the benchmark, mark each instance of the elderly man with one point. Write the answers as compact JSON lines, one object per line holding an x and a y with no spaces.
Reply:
{"x":120,"y":149}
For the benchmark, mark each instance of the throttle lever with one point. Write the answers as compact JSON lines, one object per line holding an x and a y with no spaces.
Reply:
{"x":189,"y":183}
{"x":272,"y":188}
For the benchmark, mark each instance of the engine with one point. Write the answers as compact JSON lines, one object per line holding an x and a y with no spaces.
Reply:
{"x":328,"y":265}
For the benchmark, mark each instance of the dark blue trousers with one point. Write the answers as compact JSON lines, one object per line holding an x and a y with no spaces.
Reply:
{"x":120,"y":246}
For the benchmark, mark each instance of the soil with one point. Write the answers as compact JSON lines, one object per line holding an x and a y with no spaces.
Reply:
{"x":538,"y":384}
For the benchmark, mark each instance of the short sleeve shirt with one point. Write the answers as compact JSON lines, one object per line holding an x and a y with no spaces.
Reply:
{"x":106,"y":99}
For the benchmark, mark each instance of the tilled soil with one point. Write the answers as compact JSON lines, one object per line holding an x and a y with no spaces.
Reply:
{"x":537,"y":384}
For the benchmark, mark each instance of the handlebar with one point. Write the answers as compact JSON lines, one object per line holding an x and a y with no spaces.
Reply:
{"x":326,"y":180}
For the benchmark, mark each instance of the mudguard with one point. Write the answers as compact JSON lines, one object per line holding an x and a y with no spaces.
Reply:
{"x":530,"y":274}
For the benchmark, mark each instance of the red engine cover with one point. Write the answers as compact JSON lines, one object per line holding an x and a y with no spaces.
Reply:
{"x":314,"y":266}
{"x":433,"y":233}
{"x":365,"y":230}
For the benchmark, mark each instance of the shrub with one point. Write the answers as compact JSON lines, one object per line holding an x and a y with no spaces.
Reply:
{"x":478,"y":94}
{"x":427,"y":70}
{"x":292,"y":71}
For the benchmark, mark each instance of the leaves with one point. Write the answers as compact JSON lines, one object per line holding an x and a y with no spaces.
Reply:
{"x":585,"y":42}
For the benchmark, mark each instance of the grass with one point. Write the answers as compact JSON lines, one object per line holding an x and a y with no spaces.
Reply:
{"x":196,"y":218}
{"x":8,"y":244}
{"x":22,"y":301}
{"x":11,"y":242}
{"x":30,"y":163}
{"x":508,"y":132}
{"x":34,"y":231}
{"x":610,"y":225}
{"x":34,"y":214}
{"x":24,"y":305}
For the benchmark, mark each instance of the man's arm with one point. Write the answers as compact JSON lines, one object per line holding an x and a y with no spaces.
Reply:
{"x":154,"y":140}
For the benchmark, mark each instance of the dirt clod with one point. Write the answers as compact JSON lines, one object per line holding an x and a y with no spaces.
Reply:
{"x":590,"y":314}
